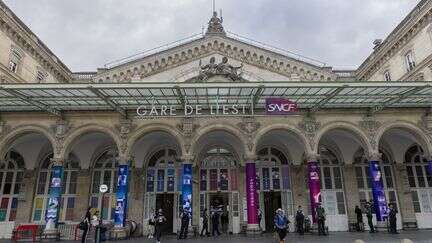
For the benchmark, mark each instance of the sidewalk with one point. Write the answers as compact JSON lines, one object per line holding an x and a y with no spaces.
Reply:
{"x":415,"y":236}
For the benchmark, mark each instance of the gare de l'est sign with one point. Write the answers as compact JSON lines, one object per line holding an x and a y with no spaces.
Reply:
{"x":274,"y":106}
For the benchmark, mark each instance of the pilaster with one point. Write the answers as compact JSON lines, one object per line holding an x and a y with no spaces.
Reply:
{"x":82,"y":194}
{"x":403,"y":189}
{"x":25,"y":202}
{"x":351,"y":191}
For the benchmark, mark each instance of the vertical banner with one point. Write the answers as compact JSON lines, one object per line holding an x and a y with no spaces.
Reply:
{"x":314,"y":187}
{"x":121,"y":195}
{"x":430,"y":168}
{"x":251,"y":193}
{"x":187,"y":189}
{"x":380,"y":203}
{"x":53,"y":207}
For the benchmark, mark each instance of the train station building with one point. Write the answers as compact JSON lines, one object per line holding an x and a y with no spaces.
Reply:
{"x":216,"y":120}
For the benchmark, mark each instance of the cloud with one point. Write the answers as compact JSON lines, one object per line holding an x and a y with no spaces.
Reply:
{"x":87,"y":34}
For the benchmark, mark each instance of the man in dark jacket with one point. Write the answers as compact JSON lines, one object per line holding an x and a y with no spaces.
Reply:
{"x":215,"y":222}
{"x":160,"y":221}
{"x":321,"y":216}
{"x":393,"y":219}
{"x":300,"y":220}
{"x":369,"y":215}
{"x":205,"y":223}
{"x":184,"y":224}
{"x":359,"y":215}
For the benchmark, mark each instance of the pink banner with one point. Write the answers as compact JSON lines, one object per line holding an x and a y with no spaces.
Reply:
{"x":251,"y":192}
{"x":314,"y":187}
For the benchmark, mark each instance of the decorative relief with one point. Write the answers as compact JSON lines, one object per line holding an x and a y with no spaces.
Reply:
{"x":370,"y":125}
{"x":309,"y":126}
{"x":249,"y":126}
{"x":4,"y":128}
{"x":223,"y":69}
{"x":124,"y":128}
{"x":426,"y":125}
{"x":60,"y":130}
{"x":187,"y":128}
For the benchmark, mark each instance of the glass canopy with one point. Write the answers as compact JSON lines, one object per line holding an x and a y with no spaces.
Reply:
{"x":58,"y":98}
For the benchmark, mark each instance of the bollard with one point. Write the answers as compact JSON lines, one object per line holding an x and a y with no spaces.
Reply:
{"x":406,"y":241}
{"x":359,"y":241}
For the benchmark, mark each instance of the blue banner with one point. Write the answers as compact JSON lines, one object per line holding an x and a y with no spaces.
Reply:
{"x":187,"y":188}
{"x":121,"y":195}
{"x":430,"y":168}
{"x":378,"y":193}
{"x":53,"y":207}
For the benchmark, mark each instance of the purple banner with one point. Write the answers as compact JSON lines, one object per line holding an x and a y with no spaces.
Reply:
{"x":430,"y":168}
{"x":380,"y":203}
{"x":314,"y":187}
{"x":251,"y":192}
{"x":280,"y":106}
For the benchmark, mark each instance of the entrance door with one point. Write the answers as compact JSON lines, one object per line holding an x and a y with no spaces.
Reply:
{"x":221,"y":202}
{"x":166,"y":203}
{"x":272,"y":201}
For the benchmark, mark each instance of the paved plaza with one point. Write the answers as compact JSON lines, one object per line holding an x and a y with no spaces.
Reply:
{"x":415,"y":236}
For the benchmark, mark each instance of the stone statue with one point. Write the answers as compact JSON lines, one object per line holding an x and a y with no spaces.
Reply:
{"x":222,"y":69}
{"x":215,"y":25}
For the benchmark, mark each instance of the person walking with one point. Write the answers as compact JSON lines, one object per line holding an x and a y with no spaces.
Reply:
{"x":215,"y":222}
{"x":393,"y":219}
{"x":184,"y":224}
{"x":259,"y":213}
{"x":281,"y":223}
{"x":359,"y":215}
{"x":205,"y":223}
{"x":321,"y":216}
{"x":369,"y":215}
{"x":300,"y":220}
{"x":86,"y":224}
{"x":159,"y":224}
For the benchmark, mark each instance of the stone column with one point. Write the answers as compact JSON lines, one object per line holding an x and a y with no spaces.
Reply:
{"x":252,"y":198}
{"x":27,"y":192}
{"x":298,"y":173}
{"x":196,"y":213}
{"x":351,"y":191}
{"x":136,"y":196}
{"x":403,"y":189}
{"x":314,"y":184}
{"x":82,"y":194}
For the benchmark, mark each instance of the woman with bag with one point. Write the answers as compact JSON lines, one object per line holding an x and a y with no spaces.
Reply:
{"x":85,"y":225}
{"x":281,"y":223}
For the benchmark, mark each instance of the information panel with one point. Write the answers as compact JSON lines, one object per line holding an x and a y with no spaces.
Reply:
{"x":53,"y":207}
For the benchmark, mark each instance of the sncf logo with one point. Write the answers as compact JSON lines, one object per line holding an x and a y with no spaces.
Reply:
{"x":280,"y":106}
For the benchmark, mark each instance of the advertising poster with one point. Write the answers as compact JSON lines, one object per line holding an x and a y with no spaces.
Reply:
{"x":251,"y":194}
{"x":53,"y":207}
{"x":379,"y":199}
{"x":314,"y":187}
{"x":187,"y":188}
{"x":121,"y":195}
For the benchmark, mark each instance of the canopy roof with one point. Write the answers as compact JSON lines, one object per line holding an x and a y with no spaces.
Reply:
{"x":58,"y":98}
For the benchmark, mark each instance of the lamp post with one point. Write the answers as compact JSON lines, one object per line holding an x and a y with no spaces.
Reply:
{"x":103,"y":189}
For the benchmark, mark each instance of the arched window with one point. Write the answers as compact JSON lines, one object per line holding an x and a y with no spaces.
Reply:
{"x":419,"y":178}
{"x":273,"y":174}
{"x":364,"y":181}
{"x":162,"y":171}
{"x":332,"y":192}
{"x":105,"y":172}
{"x":11,"y":175}
{"x":216,"y":164}
{"x":69,"y":181}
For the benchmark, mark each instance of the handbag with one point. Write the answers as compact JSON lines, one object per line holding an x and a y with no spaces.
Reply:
{"x":82,"y":225}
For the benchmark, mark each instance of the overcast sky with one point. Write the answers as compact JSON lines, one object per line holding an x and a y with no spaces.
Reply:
{"x":86,"y":34}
